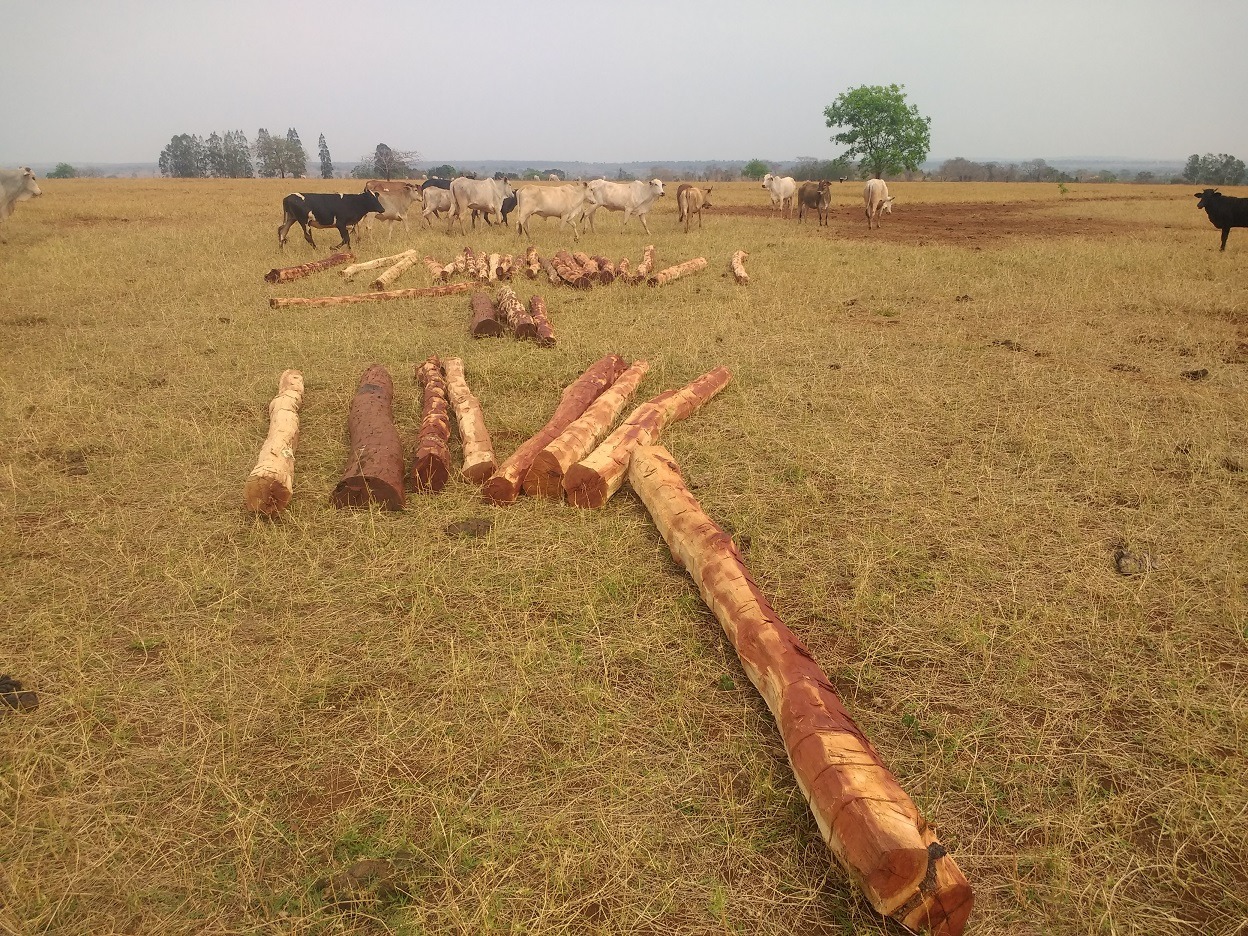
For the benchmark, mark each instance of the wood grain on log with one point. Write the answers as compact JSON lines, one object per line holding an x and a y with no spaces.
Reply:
{"x":286,"y":274}
{"x":676,"y":272}
{"x":871,"y":826}
{"x":374,"y":470}
{"x":348,"y":272}
{"x":271,"y":483}
{"x":508,"y":306}
{"x":447,"y":289}
{"x":437,"y":270}
{"x":738,"y":267}
{"x":532,"y":264}
{"x":431,"y":464}
{"x":545,"y":332}
{"x":479,"y":461}
{"x":606,"y":270}
{"x":484,"y":323}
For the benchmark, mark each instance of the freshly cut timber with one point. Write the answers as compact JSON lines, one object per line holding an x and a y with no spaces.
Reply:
{"x":570,"y":271}
{"x":483,"y":268}
{"x":495,"y":261}
{"x":374,"y":470}
{"x":466,"y":262}
{"x":505,"y":266}
{"x":588,"y":264}
{"x":448,"y":271}
{"x":348,"y":272}
{"x":447,"y":289}
{"x":508,"y":307}
{"x":621,"y":270}
{"x":431,"y":465}
{"x":545,"y":476}
{"x":676,"y":272}
{"x":532,"y":265}
{"x":485,"y":323}
{"x":505,"y":485}
{"x":479,"y":461}
{"x":271,"y":483}
{"x":592,"y":480}
{"x":386,"y":279}
{"x":606,"y":270}
{"x":548,"y":265}
{"x":286,"y":274}
{"x":871,"y":826}
{"x":439,"y":272}
{"x":541,"y":324}
{"x":646,"y":265}
{"x":738,"y":267}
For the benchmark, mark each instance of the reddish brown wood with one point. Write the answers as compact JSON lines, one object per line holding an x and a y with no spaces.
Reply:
{"x":544,"y":331}
{"x":374,"y":470}
{"x":621,"y":270}
{"x":570,"y":271}
{"x":606,"y":270}
{"x":646,"y":265}
{"x":438,"y":270}
{"x":532,"y":263}
{"x":548,"y":265}
{"x":738,"y":268}
{"x":286,"y":274}
{"x":676,"y":272}
{"x":483,"y":268}
{"x":506,"y":266}
{"x":484,"y":323}
{"x":587,"y":264}
{"x":431,"y":465}
{"x":510,"y":309}
{"x":448,"y":289}
{"x":466,"y":262}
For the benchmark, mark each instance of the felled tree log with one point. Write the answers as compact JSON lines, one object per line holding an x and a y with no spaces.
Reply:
{"x":387,"y":278}
{"x":492,"y":265}
{"x":286,"y":274}
{"x":606,"y":270}
{"x":485,"y":323}
{"x":592,"y":480}
{"x":548,"y":265}
{"x":570,"y":271}
{"x":588,"y":264}
{"x":676,"y":272}
{"x":646,"y":265}
{"x":431,"y":465}
{"x":508,"y":307}
{"x":374,"y":470}
{"x":621,"y":270}
{"x":545,"y":476}
{"x":505,"y":266}
{"x":439,"y":272}
{"x":505,"y":485}
{"x":466,"y":262}
{"x":545,"y":332}
{"x":483,"y":268}
{"x":448,"y":271}
{"x":532,"y":265}
{"x":348,"y":272}
{"x":447,"y":289}
{"x":271,"y":483}
{"x":872,"y":827}
{"x":479,"y":461}
{"x":738,"y":268}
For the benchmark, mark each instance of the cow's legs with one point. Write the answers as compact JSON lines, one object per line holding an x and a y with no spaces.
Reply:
{"x":1226,"y":232}
{"x":642,"y":219}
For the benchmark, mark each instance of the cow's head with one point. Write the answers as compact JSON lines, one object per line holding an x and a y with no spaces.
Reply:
{"x":508,"y":191}
{"x":1206,"y":197}
{"x":656,"y":186}
{"x":371,"y":201}
{"x":706,"y":198}
{"x":767,"y":180}
{"x":30,"y":188}
{"x":888,"y":205}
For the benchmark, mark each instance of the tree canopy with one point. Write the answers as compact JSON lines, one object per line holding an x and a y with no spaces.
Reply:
{"x":881,"y":131}
{"x":1223,"y":169}
{"x":63,"y":171}
{"x":327,"y":163}
{"x":755,"y":169}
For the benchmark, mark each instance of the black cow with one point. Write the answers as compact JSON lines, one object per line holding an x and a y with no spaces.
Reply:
{"x":1224,"y":211}
{"x":318,"y":210}
{"x":435,"y":183}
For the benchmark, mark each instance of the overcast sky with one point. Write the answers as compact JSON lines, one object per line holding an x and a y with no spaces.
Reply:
{"x":89,"y":81}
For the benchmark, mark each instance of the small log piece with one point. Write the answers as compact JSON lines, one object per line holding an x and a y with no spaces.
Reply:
{"x":545,"y":476}
{"x":872,"y":827}
{"x":483,"y":268}
{"x":548,"y":265}
{"x":532,"y":265}
{"x":348,"y":272}
{"x":448,"y":271}
{"x":271,"y":483}
{"x":446,"y":289}
{"x":374,"y":470}
{"x":508,"y":306}
{"x":592,"y":480}
{"x":431,"y":465}
{"x":505,"y":266}
{"x":545,"y":332}
{"x":484,"y":323}
{"x":738,"y":268}
{"x":621,"y":270}
{"x":676,"y":272}
{"x":286,"y":274}
{"x":606,"y":270}
{"x":492,"y":265}
{"x":570,"y":271}
{"x":505,"y":485}
{"x":646,"y":265}
{"x":437,"y":270}
{"x":479,"y":461}
{"x":387,"y":278}
{"x":466,"y":262}
{"x":588,"y":264}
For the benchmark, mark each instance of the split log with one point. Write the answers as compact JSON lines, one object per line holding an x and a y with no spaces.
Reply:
{"x":738,"y":268}
{"x":271,"y":483}
{"x":479,"y":461}
{"x":871,"y":826}
{"x":492,"y":265}
{"x":286,"y":274}
{"x":592,"y":480}
{"x":348,"y":272}
{"x":545,"y":476}
{"x":439,"y":272}
{"x":621,"y":270}
{"x":676,"y":272}
{"x":588,"y":264}
{"x":505,"y":485}
{"x":447,"y":289}
{"x":532,"y":265}
{"x":551,"y":273}
{"x":606,"y":270}
{"x":431,"y":465}
{"x":374,"y":470}
{"x":646,"y":265}
{"x":505,"y":266}
{"x":570,"y":271}
{"x":509,"y":307}
{"x":541,"y":324}
{"x":386,"y":279}
{"x":485,"y":323}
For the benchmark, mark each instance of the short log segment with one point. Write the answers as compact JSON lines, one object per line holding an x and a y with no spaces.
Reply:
{"x":548,"y":265}
{"x":431,"y":465}
{"x":492,"y":266}
{"x":621,"y":270}
{"x":532,"y":264}
{"x":479,"y":461}
{"x":738,"y":268}
{"x":606,"y":270}
{"x":545,"y":476}
{"x":505,"y":266}
{"x":348,"y":272}
{"x":286,"y":274}
{"x":387,"y":278}
{"x":570,"y":271}
{"x":646,"y":265}
{"x":271,"y":483}
{"x":676,"y":272}
{"x":509,"y":307}
{"x":436,"y":270}
{"x":588,"y":265}
{"x":545,"y":331}
{"x":505,"y":485}
{"x":466,"y":262}
{"x":447,"y":289}
{"x":483,"y":268}
{"x":374,"y":470}
{"x":485,"y":323}
{"x":592,"y":480}
{"x":872,"y":827}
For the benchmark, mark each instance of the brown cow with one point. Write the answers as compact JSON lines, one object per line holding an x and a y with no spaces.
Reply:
{"x":817,"y":195}
{"x":690,"y":200}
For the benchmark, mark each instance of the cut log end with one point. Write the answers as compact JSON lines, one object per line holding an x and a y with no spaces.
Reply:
{"x":544,"y":477}
{"x":430,"y":473}
{"x":585,"y":487}
{"x":500,"y":490}
{"x":360,"y":491}
{"x":265,"y":495}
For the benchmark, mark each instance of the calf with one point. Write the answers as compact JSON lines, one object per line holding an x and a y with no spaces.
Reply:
{"x":876,"y":199}
{"x":319,"y":210}
{"x":690,"y":200}
{"x":16,"y":185}
{"x":565,"y":202}
{"x":1224,"y":211}
{"x":817,"y":195}
{"x":437,"y":200}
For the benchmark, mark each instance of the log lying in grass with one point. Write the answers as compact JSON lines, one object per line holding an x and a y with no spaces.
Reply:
{"x":483,"y":268}
{"x":872,"y":827}
{"x":676,"y":272}
{"x":508,"y":307}
{"x":548,"y":265}
{"x":646,"y":265}
{"x":505,"y":485}
{"x":348,"y":272}
{"x":606,"y":270}
{"x":466,"y":262}
{"x":532,"y":264}
{"x":485,"y":323}
{"x":271,"y":483}
{"x":570,"y":271}
{"x":738,"y":267}
{"x":545,"y":332}
{"x":621,"y":270}
{"x":479,"y":461}
{"x":374,"y":470}
{"x":545,"y":476}
{"x":588,"y":265}
{"x":505,"y":266}
{"x":447,"y":289}
{"x":592,"y":480}
{"x":492,"y":264}
{"x":431,"y":465}
{"x":386,"y":279}
{"x":286,"y":274}
{"x":439,"y":272}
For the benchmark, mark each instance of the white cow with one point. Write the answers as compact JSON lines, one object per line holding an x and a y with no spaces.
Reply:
{"x":565,"y":202}
{"x":552,"y":178}
{"x":396,"y":198}
{"x":437,"y":200}
{"x":632,"y":198}
{"x":877,"y":200}
{"x":16,"y":185}
{"x":782,"y":189}
{"x":484,"y":195}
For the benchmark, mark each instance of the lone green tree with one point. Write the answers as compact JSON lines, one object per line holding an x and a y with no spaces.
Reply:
{"x":755,"y":169}
{"x":880,"y":130}
{"x":327,"y":164}
{"x":185,"y":157}
{"x":63,"y":171}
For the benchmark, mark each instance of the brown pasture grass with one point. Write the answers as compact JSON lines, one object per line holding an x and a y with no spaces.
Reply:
{"x":929,"y":456}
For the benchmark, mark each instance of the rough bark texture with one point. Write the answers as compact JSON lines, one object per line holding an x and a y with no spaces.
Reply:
{"x":646,"y":265}
{"x":505,"y":485}
{"x":386,"y":279}
{"x":348,"y":272}
{"x":676,"y":272}
{"x":485,"y":323}
{"x":271,"y":483}
{"x":545,"y":476}
{"x":545,"y":332}
{"x":286,"y":274}
{"x":505,"y":266}
{"x":509,"y":307}
{"x":606,"y":270}
{"x":447,"y":289}
{"x":621,"y":270}
{"x":374,"y":470}
{"x":587,"y":264}
{"x":738,"y":267}
{"x":431,"y":465}
{"x":492,"y":265}
{"x":479,"y":461}
{"x":548,"y":265}
{"x":483,"y":268}
{"x":592,"y":480}
{"x":437,"y":270}
{"x":872,"y":827}
{"x":570,"y":271}
{"x":532,"y":263}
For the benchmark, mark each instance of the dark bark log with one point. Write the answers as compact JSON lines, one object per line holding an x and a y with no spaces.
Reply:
{"x":485,"y":323}
{"x":374,"y":470}
{"x":449,"y":289}
{"x":606,"y":270}
{"x":431,"y":465}
{"x":286,"y":274}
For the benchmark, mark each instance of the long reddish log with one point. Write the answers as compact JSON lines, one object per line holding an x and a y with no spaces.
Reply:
{"x":646,"y":265}
{"x":431,"y":465}
{"x":286,"y":274}
{"x":439,"y":272}
{"x":676,"y":272}
{"x":479,"y":461}
{"x":570,"y":271}
{"x":738,"y":268}
{"x":588,"y":264}
{"x":271,"y":483}
{"x":485,"y":323}
{"x":545,"y":332}
{"x":348,"y":272}
{"x":492,"y":265}
{"x":532,"y":265}
{"x":545,"y":476}
{"x":548,"y":265}
{"x":509,"y":307}
{"x":505,"y":485}
{"x":606,"y":270}
{"x":872,"y":827}
{"x":374,"y":470}
{"x":592,"y":480}
{"x":448,"y":289}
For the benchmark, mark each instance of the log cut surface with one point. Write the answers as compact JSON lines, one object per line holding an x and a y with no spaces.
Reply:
{"x":479,"y":461}
{"x":544,"y":332}
{"x":271,"y":483}
{"x":431,"y":464}
{"x":374,"y":469}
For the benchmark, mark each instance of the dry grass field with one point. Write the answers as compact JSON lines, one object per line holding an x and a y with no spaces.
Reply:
{"x":938,"y":436}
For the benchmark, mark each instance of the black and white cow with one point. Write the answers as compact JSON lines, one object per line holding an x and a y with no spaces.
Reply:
{"x":320,"y":210}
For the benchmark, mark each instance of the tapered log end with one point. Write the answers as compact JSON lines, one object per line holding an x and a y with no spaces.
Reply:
{"x":266,"y":496}
{"x":544,"y":477}
{"x":584,"y":487}
{"x":499,"y":490}
{"x":360,"y":491}
{"x":272,"y":276}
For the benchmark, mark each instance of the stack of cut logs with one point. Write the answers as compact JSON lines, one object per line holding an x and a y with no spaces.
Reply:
{"x":508,"y":314}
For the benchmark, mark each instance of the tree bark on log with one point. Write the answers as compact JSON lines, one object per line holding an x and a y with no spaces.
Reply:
{"x":621,"y":270}
{"x":606,"y":270}
{"x":483,"y":268}
{"x":532,"y":265}
{"x":588,"y":265}
{"x":545,"y":476}
{"x":509,"y":307}
{"x":676,"y":272}
{"x":386,"y":279}
{"x":592,"y":480}
{"x":871,"y":826}
{"x":492,"y":265}
{"x":286,"y":274}
{"x":348,"y":272}
{"x":374,"y":470}
{"x":646,"y":265}
{"x":448,"y":271}
{"x":485,"y":323}
{"x":545,"y":332}
{"x":479,"y":461}
{"x":570,"y":271}
{"x":466,"y":262}
{"x":431,"y":465}
{"x":505,"y":485}
{"x":551,"y":273}
{"x":505,"y":267}
{"x":447,"y":289}
{"x":437,"y":270}
{"x":738,"y":268}
{"x":271,"y":483}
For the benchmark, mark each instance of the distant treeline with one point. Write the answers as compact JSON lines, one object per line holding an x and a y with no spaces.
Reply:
{"x":232,"y":156}
{"x":1222,"y":169}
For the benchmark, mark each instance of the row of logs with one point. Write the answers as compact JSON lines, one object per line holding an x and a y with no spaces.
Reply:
{"x":508,"y":314}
